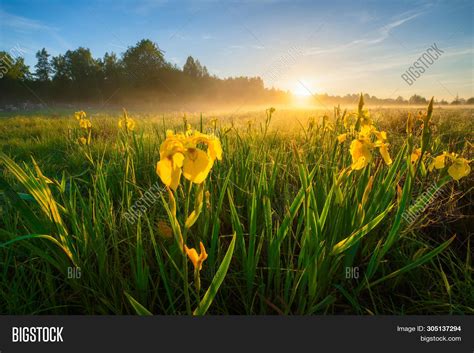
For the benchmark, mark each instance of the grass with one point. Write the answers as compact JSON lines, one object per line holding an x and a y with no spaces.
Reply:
{"x":283,"y":225}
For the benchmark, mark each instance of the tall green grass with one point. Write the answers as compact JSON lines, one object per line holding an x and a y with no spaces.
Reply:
{"x":283,"y":224}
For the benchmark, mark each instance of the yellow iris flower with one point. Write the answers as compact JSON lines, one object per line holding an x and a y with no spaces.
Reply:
{"x":127,"y":123}
{"x":360,"y":150}
{"x":459,"y":169}
{"x":341,"y":138}
{"x":383,"y":147}
{"x":415,"y":155}
{"x":439,"y":162}
{"x":366,"y":131}
{"x":214,"y":148}
{"x":171,"y":160}
{"x":85,"y":123}
{"x":365,"y":119}
{"x":380,"y":135}
{"x":197,"y":165}
{"x":196,"y":259}
{"x":179,"y":155}
{"x":80,"y":115}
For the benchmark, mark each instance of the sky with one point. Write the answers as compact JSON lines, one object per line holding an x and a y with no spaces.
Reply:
{"x":334,"y":47}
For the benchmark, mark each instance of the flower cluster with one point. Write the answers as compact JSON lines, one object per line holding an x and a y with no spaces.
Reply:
{"x":126,"y":123}
{"x":361,"y":147}
{"x":84,"y":123}
{"x":179,"y":154}
{"x":459,"y":167}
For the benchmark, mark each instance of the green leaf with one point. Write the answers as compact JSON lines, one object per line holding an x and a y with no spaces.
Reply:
{"x":139,"y":309}
{"x":357,"y":235}
{"x":38,"y":236}
{"x":216,"y":281}
{"x":420,"y":261}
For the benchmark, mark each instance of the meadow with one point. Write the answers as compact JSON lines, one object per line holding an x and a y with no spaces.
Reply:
{"x":334,"y":211}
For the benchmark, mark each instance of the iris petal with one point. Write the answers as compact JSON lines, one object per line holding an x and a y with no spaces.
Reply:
{"x":196,"y":165}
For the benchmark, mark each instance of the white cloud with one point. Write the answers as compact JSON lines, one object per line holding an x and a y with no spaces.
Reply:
{"x":381,"y":34}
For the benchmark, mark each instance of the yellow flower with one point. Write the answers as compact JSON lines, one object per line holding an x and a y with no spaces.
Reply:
{"x":82,"y":140}
{"x":196,"y":165}
{"x":366,"y":131}
{"x":415,"y":155}
{"x":341,"y":138}
{"x":439,"y":161}
{"x":383,"y":149}
{"x":171,"y":160}
{"x":85,"y":123}
{"x":380,"y":135}
{"x":360,"y":150}
{"x":365,"y":119}
{"x":196,"y":259}
{"x":189,"y":130}
{"x":127,"y":124}
{"x":460,"y":168}
{"x":214,"y":148}
{"x":80,"y":115}
{"x":180,"y":151}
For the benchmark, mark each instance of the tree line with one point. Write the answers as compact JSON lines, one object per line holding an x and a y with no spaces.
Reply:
{"x":142,"y":74}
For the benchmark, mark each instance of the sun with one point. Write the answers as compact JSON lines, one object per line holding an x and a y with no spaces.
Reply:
{"x":301,"y":90}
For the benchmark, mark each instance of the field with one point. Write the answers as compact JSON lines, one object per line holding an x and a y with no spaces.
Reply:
{"x":297,"y":211}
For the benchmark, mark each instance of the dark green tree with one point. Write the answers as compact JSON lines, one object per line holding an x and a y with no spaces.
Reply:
{"x":143,"y":62}
{"x":43,"y":66}
{"x":190,"y":67}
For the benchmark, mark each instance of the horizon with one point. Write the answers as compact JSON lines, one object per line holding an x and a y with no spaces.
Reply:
{"x":307,"y":49}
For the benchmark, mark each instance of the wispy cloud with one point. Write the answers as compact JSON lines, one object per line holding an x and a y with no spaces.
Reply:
{"x":26,"y":25}
{"x":381,"y":34}
{"x":22,"y":23}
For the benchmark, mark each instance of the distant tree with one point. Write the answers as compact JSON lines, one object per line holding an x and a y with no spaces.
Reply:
{"x":60,"y":68}
{"x":43,"y":66}
{"x":205,"y":73}
{"x":470,"y":101}
{"x":190,"y":68}
{"x":400,"y":100}
{"x":416,"y":99}
{"x":143,"y":62}
{"x":458,"y":101}
{"x":111,"y":67}
{"x":80,"y":64}
{"x":199,"y":69}
{"x":13,"y":76}
{"x":13,"y":68}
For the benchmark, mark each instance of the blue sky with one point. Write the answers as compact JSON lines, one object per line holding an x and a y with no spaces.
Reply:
{"x":336,"y":47}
